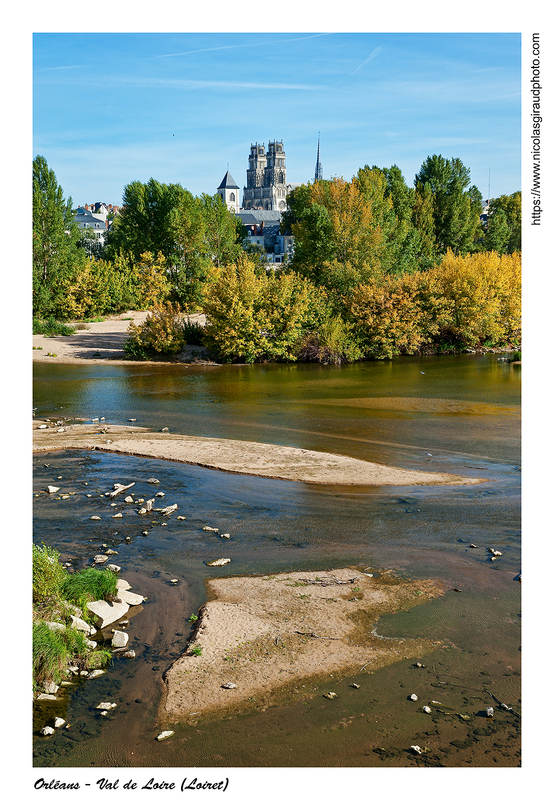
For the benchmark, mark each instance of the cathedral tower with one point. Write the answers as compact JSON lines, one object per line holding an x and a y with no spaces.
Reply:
{"x":266,"y":178}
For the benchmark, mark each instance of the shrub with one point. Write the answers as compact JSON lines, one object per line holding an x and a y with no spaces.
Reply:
{"x":48,"y":574}
{"x":161,"y":332}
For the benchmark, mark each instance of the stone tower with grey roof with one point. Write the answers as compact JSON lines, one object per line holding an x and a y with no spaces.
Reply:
{"x":229,"y":192}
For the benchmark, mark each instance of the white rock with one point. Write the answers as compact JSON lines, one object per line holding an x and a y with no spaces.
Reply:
{"x":169,"y":510}
{"x":79,"y":624}
{"x":113,"y":568}
{"x":413,"y":697}
{"x":96,"y":673}
{"x":123,"y":584}
{"x":52,"y":489}
{"x":41,"y":427}
{"x":117,"y":516}
{"x":130,"y":654}
{"x":106,"y":706}
{"x":50,"y":687}
{"x":59,"y":722}
{"x":129,"y":499}
{"x":164,"y":735}
{"x":160,"y":494}
{"x":219,"y":562}
{"x":55,"y":626}
{"x":224,"y":535}
{"x":208,"y":528}
{"x":95,"y":517}
{"x":120,"y":639}
{"x":100,"y":559}
{"x":181,"y":518}
{"x":107,"y":613}
{"x":426,"y":709}
{"x":490,"y":711}
{"x":152,"y":480}
{"x":44,"y":696}
{"x":229,"y":686}
{"x":131,"y":598}
{"x":416,"y":748}
{"x":47,"y":730}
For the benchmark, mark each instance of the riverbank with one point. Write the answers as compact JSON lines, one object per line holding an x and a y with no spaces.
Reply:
{"x":260,"y":635}
{"x":228,"y":455}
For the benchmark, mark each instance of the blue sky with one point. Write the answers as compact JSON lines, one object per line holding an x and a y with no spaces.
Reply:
{"x":110,"y":108}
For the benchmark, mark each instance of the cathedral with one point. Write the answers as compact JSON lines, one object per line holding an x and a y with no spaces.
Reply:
{"x":266,"y":178}
{"x":266,"y":181}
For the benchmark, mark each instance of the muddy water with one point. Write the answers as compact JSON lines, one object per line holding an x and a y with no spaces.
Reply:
{"x":453,"y":414}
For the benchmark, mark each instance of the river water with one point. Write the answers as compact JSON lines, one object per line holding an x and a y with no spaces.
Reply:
{"x":458,"y":414}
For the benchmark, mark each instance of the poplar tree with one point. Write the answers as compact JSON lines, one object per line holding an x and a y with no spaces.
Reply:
{"x":57,"y":257}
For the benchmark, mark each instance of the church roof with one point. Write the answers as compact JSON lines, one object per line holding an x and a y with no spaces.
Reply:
{"x":228,"y":182}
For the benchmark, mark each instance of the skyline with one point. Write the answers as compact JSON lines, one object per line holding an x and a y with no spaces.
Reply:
{"x":112,"y":108}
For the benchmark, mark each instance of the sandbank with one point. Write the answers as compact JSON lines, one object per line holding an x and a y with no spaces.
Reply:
{"x":266,"y":636}
{"x":229,"y":455}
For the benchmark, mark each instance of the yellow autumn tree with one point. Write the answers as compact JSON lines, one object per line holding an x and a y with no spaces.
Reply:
{"x":482,"y":295}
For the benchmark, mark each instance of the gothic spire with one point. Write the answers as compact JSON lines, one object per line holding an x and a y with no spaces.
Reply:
{"x":318,"y":167}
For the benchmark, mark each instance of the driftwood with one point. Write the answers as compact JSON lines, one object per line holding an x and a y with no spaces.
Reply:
{"x":120,"y":488}
{"x":327,"y":582}
{"x":315,"y":636}
{"x":501,"y":704}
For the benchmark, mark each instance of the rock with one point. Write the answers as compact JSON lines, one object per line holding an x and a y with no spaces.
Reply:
{"x":110,"y":552}
{"x":106,"y":706}
{"x":47,"y":730}
{"x":419,"y":750}
{"x":160,"y":494}
{"x":229,"y":686}
{"x":165,"y":430}
{"x":129,"y":499}
{"x":473,"y":545}
{"x":41,"y":427}
{"x":117,"y":516}
{"x":208,"y":528}
{"x":181,"y":518}
{"x":50,"y":687}
{"x":224,"y":535}
{"x":164,"y":735}
{"x":145,"y":533}
{"x":152,"y":480}
{"x":52,"y":489}
{"x":354,"y":685}
{"x":141,"y":510}
{"x":113,"y":568}
{"x":169,"y":510}
{"x":330,"y":695}
{"x":55,"y":626}
{"x":494,"y":552}
{"x":426,"y":709}
{"x":464,"y":716}
{"x":120,"y":639}
{"x":45,"y":697}
{"x":94,"y":517}
{"x":174,"y":581}
{"x":96,"y":673}
{"x":79,"y":624}
{"x":131,"y":598}
{"x":107,"y":613}
{"x":413,"y":697}
{"x":419,"y":665}
{"x":490,"y":711}
{"x":122,"y":584}
{"x":219,"y":562}
{"x":59,"y":722}
{"x":100,"y":559}
{"x":130,"y":654}
{"x":91,"y":645}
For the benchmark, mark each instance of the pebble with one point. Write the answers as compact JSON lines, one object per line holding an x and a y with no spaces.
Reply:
{"x":164,"y":735}
{"x":229,"y":686}
{"x":413,"y":697}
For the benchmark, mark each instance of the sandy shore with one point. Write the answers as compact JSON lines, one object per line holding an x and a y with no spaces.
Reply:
{"x":228,"y":455}
{"x":99,"y":343}
{"x":263,"y":635}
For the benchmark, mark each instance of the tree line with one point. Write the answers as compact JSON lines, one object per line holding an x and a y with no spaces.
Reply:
{"x":379,"y":268}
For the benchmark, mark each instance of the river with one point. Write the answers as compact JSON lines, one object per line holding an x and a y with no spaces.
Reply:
{"x":456,"y":414}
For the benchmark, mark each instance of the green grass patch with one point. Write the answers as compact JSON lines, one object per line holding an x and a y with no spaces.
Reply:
{"x":87,"y":585}
{"x":51,"y":327}
{"x":48,"y":574}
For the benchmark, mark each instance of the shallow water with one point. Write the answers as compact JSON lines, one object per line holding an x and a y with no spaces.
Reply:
{"x":461,"y":415}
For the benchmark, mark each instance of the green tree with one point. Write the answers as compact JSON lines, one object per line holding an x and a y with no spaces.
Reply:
{"x":57,"y":257}
{"x":456,"y":205}
{"x":511,"y":206}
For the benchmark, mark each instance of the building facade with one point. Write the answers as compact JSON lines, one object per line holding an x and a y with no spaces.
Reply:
{"x":266,"y":178}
